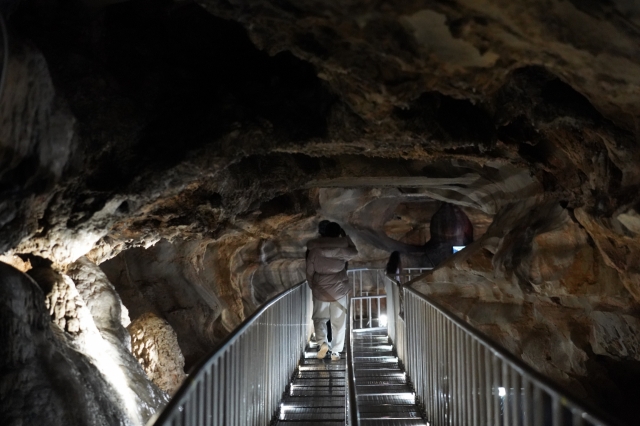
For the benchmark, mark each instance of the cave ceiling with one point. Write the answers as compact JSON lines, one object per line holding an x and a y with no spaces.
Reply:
{"x":127,"y":122}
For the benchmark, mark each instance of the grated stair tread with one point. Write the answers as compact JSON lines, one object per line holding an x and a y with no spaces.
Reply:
{"x":381,"y":381}
{"x":328,"y":362}
{"x":391,"y":399}
{"x":392,"y":422}
{"x":390,"y":411}
{"x":317,"y":402}
{"x":321,"y":367}
{"x":382,"y":389}
{"x":312,"y":382}
{"x":375,"y":359}
{"x":384,"y":394}
{"x":295,"y":414}
{"x":318,"y":391}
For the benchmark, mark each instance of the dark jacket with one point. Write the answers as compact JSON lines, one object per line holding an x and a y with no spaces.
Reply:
{"x":326,"y":267}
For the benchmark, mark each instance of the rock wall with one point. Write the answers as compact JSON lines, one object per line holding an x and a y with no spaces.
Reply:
{"x":154,"y":281}
{"x":155,"y":346}
{"x":537,"y":284}
{"x":47,"y":370}
{"x":205,"y":288}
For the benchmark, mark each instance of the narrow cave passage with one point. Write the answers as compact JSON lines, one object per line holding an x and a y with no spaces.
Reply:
{"x":163,"y":165}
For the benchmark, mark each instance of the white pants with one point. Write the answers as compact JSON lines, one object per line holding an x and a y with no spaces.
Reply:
{"x":337,"y":313}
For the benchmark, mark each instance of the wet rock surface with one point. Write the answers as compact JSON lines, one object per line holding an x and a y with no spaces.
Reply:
{"x":155,"y":346}
{"x":191,"y":149}
{"x":43,"y":374}
{"x":85,"y":307}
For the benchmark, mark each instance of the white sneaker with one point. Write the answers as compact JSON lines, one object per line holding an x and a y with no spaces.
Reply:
{"x":322,"y":352}
{"x":335,"y":356}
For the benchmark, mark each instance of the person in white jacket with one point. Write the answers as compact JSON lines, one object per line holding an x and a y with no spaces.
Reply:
{"x":326,"y":270}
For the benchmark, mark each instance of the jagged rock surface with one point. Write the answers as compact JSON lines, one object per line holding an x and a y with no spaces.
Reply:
{"x":155,"y":346}
{"x":89,"y":312}
{"x":110,"y":318}
{"x":535,"y":283}
{"x":42,"y":374}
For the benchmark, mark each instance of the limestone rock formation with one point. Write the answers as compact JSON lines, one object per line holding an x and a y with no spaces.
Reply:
{"x":86,"y":308}
{"x":113,"y":348}
{"x":155,"y":345}
{"x":157,"y":281}
{"x":42,"y":373}
{"x":535,"y":283}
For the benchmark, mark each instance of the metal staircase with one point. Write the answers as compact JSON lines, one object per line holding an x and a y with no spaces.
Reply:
{"x":316,"y":394}
{"x":266,"y":371}
{"x":383,"y":392}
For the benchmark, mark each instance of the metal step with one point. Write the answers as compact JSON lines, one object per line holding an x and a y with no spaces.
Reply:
{"x":383,"y":393}
{"x":389,"y":411}
{"x":387,"y":362}
{"x":317,"y":402}
{"x":316,"y":381}
{"x":316,"y":361}
{"x":316,"y":390}
{"x":371,"y":374}
{"x":317,"y":397}
{"x":391,"y":399}
{"x":366,"y":358}
{"x":322,"y":367}
{"x":382,"y":389}
{"x":373,"y":351}
{"x":321,"y":374}
{"x":379,"y":340}
{"x":392,"y":422}
{"x":306,"y":413}
{"x":382,"y":381}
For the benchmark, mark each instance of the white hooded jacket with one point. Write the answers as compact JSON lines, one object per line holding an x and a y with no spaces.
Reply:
{"x":326,"y":267}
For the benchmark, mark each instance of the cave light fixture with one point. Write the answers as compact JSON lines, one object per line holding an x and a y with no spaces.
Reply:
{"x":283,"y":409}
{"x":382,"y":322}
{"x":502,"y":392}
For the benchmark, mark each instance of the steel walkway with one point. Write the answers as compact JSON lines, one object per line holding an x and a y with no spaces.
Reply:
{"x":384,"y":396}
{"x":460,"y":376}
{"x":317,"y":392}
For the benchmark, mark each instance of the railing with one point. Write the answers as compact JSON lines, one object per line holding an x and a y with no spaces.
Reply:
{"x":368,"y":299}
{"x":351,"y":415}
{"x":409,"y":274}
{"x":463,"y":378}
{"x":242,"y":382}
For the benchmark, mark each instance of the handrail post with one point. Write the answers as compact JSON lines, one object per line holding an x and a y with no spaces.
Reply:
{"x":352,"y":416}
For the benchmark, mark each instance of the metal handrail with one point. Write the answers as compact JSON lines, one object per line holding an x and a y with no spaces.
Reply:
{"x":352,"y":414}
{"x":242,"y":381}
{"x":367,"y":296}
{"x":463,"y":378}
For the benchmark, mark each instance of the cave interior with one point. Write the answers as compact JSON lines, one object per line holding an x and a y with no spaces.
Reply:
{"x":163,"y":164}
